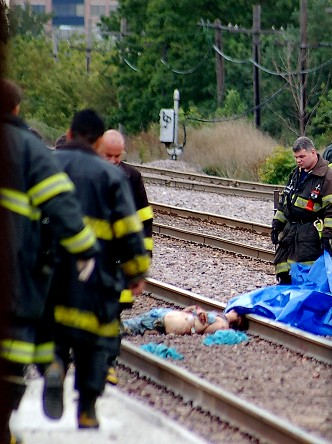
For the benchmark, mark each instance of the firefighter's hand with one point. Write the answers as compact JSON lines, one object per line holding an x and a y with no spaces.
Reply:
{"x":85,"y":268}
{"x":327,"y":244}
{"x":277,"y":228}
{"x":138,"y":287}
{"x":275,"y":236}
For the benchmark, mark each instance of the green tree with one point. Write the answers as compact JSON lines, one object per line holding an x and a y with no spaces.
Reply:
{"x":24,"y":21}
{"x":166,"y":48}
{"x":284,"y":114}
{"x":322,"y":122}
{"x":54,"y":90}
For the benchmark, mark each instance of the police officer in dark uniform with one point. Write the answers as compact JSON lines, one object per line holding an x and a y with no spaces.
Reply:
{"x":112,"y":148}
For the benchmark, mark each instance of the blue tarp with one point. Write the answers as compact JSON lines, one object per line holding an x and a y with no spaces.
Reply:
{"x":306,"y":304}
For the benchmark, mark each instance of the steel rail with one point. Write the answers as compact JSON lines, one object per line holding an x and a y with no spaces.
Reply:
{"x":207,"y":188}
{"x":204,"y":178}
{"x":214,"y":218}
{"x":238,"y":412}
{"x":308,"y":344}
{"x":214,"y":241}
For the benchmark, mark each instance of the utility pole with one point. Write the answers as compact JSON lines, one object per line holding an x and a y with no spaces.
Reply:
{"x":88,"y":47}
{"x":220,"y":70}
{"x":256,"y":57}
{"x":255,"y":32}
{"x":303,"y":66}
{"x":55,"y":43}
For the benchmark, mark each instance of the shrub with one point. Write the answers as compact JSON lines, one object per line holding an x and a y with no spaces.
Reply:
{"x":277,"y":167}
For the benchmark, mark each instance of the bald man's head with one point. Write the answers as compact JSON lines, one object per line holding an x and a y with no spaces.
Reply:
{"x":112,"y":146}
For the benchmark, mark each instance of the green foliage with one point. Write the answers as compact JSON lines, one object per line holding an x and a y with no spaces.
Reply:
{"x":54,"y":90}
{"x":24,"y":21}
{"x":277,"y":167}
{"x":232,"y":106}
{"x":165,"y":47}
{"x":321,"y":125}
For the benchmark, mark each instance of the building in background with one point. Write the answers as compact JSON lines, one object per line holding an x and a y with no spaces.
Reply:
{"x":75,"y":15}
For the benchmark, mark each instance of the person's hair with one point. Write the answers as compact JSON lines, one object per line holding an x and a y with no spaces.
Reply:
{"x":87,"y":125}
{"x":303,"y":143}
{"x":327,"y":154}
{"x":11,"y":95}
{"x":60,"y":141}
{"x":241,"y":323}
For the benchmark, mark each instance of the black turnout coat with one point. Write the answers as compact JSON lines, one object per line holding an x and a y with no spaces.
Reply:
{"x":89,"y":311}
{"x":303,"y":204}
{"x":34,"y":188}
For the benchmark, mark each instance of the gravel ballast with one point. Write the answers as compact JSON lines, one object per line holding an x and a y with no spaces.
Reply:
{"x":281,"y":381}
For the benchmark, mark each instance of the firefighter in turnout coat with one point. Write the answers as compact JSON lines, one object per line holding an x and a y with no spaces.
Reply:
{"x":302,"y":225}
{"x":86,"y":314}
{"x":33,"y":186}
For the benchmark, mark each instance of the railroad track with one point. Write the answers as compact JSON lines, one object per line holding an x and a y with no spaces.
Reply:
{"x":213,"y":184}
{"x":228,"y":407}
{"x":214,"y":241}
{"x":308,"y":344}
{"x":213,"y":218}
{"x":210,"y":240}
{"x":296,"y":339}
{"x":239,"y":413}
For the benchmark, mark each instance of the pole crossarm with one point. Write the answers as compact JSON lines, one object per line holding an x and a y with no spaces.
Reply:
{"x":239,"y":29}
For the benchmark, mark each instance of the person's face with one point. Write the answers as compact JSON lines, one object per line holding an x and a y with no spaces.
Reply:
{"x":112,"y":153}
{"x":306,"y":159}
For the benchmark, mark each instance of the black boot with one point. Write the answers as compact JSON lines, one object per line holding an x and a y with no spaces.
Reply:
{"x":53,"y":390}
{"x":86,"y":412}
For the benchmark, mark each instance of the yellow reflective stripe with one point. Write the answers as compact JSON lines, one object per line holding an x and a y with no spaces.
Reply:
{"x":282,"y":267}
{"x":327,"y":222}
{"x":102,"y":228}
{"x":87,"y":321}
{"x":82,"y":241}
{"x":302,"y":203}
{"x":127,"y":225}
{"x":326,"y":200}
{"x":137,"y":265}
{"x":148,"y":243}
{"x":280,"y":216}
{"x":19,"y":203}
{"x":44,"y":352}
{"x":285,"y":266}
{"x":50,"y":187}
{"x":17,"y":351}
{"x":145,"y":213}
{"x":126,"y":297}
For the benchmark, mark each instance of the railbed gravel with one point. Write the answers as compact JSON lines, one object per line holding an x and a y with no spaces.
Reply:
{"x":281,"y":381}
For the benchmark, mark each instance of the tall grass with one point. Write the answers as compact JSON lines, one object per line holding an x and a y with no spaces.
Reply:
{"x":230,"y":149}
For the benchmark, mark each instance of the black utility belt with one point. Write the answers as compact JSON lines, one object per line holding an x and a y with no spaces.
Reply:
{"x":301,"y":222}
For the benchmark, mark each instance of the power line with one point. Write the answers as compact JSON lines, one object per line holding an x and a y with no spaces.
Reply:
{"x":262,"y":68}
{"x":245,"y":113}
{"x":189,"y":71}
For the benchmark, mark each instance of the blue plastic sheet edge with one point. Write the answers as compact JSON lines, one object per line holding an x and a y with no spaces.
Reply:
{"x":306,"y":304}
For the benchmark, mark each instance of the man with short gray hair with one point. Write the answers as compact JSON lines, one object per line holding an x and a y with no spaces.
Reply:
{"x":302,"y":225}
